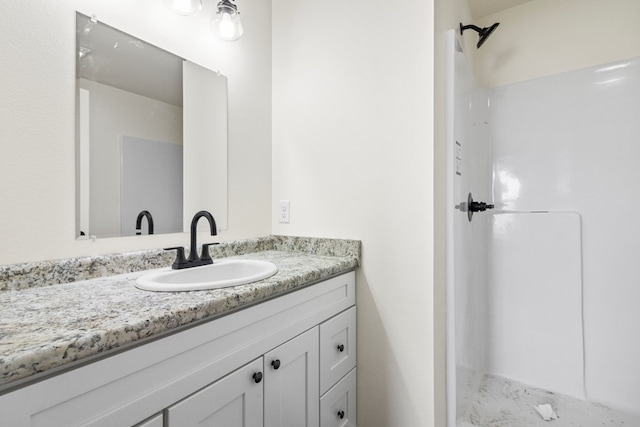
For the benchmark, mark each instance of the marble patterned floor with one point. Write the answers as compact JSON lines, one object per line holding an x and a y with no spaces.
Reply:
{"x":500,"y":402}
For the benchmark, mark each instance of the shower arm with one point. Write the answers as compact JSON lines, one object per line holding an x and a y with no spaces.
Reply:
{"x":470,"y":27}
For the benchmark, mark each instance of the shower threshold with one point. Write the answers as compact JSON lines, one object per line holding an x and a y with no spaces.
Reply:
{"x":500,"y":402}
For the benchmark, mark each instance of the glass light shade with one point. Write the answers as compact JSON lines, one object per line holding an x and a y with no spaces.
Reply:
{"x":184,"y":7}
{"x":226,"y":24}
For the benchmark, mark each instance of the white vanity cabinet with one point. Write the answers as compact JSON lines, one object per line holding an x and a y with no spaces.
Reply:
{"x":206,"y":374}
{"x":284,"y":385}
{"x":285,"y":391}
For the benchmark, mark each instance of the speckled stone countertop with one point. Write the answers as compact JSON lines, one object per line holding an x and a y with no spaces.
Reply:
{"x":47,"y":328}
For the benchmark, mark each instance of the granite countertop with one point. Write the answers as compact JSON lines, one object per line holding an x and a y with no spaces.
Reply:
{"x":45,"y":328}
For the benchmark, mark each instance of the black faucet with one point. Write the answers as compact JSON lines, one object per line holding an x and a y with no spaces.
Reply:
{"x":195,"y":260}
{"x":145,"y":214}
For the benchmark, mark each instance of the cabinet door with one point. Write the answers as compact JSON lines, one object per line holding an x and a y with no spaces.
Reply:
{"x":338,"y":405}
{"x":291,"y":385}
{"x":233,"y":401}
{"x":337,"y":348}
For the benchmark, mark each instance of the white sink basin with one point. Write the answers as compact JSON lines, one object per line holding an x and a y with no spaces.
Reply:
{"x":220,"y":274}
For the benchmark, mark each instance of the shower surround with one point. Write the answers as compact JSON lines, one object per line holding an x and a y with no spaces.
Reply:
{"x":544,"y":286}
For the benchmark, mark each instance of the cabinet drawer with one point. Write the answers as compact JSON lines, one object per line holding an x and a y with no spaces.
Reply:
{"x":338,"y":405}
{"x":337,"y":348}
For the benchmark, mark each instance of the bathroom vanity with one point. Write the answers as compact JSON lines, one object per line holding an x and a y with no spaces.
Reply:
{"x":276,"y":353}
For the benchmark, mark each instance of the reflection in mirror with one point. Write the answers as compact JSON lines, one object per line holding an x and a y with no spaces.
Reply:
{"x":151,"y":135}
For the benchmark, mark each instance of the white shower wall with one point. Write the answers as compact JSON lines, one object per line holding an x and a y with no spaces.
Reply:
{"x":535,"y":295}
{"x":467,"y":284}
{"x":570,"y":142}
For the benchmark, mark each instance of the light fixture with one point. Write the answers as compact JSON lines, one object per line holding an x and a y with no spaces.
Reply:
{"x":226,"y":22}
{"x":185,"y":7}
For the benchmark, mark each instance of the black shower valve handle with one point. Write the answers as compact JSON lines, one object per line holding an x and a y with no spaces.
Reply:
{"x":479,"y":206}
{"x":473,"y":206}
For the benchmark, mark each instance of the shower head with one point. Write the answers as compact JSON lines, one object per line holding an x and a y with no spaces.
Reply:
{"x":484,"y":33}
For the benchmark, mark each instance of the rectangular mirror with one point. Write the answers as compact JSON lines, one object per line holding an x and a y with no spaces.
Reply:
{"x":151,"y":136}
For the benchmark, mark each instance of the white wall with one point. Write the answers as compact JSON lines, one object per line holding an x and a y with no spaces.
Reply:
{"x":569,"y":142}
{"x":353,"y":152}
{"x":37,"y":50}
{"x":545,"y":37}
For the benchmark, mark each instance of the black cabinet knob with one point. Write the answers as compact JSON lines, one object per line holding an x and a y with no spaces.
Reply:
{"x":257,"y":377}
{"x":275,"y":363}
{"x":341,"y":414}
{"x":341,"y":348}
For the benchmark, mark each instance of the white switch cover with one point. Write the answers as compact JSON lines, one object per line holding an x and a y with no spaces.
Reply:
{"x":283,"y":211}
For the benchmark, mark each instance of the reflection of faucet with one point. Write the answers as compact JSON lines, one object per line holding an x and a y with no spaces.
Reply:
{"x":195,"y":260}
{"x":147,"y":215}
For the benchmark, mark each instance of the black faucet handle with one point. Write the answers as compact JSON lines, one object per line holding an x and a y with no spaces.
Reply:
{"x":205,"y":256}
{"x":181,"y":260}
